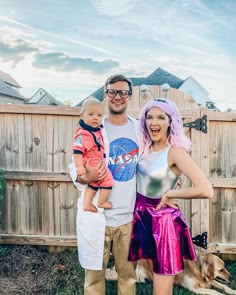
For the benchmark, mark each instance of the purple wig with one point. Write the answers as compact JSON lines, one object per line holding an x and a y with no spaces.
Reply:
{"x":176,"y":136}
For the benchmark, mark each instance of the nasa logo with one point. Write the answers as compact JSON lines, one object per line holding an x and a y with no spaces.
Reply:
{"x":123,"y":154}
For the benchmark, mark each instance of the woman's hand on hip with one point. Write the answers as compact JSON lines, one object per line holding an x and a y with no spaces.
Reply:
{"x":166,"y":201}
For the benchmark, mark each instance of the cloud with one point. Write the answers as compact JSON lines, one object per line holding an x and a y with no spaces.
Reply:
{"x":63,"y":62}
{"x":16,"y":50}
{"x":10,"y":33}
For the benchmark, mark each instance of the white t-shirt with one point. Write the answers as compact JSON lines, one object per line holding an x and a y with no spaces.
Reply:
{"x":122,"y":161}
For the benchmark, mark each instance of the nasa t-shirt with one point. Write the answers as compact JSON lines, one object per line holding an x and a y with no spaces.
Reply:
{"x":122,"y":161}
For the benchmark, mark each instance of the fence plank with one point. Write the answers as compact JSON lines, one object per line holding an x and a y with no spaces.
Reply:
{"x":204,"y":165}
{"x":223,"y":182}
{"x":43,"y":176}
{"x":39,"y":240}
{"x":38,"y":109}
{"x":222,"y":248}
{"x":196,"y":155}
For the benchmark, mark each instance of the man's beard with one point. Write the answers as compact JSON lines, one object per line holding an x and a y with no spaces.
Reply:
{"x":120,"y":112}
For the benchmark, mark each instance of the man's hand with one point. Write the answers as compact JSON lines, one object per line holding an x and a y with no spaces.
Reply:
{"x":80,"y":170}
{"x":93,"y":173}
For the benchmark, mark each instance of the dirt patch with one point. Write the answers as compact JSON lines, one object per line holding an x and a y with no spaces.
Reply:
{"x":32,"y":270}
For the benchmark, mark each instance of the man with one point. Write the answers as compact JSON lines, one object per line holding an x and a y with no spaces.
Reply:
{"x":122,"y":137}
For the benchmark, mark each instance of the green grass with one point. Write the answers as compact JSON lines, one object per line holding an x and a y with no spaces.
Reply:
{"x":28,"y":270}
{"x":143,"y":289}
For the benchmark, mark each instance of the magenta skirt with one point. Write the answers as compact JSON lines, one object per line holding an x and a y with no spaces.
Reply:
{"x":160,"y":235}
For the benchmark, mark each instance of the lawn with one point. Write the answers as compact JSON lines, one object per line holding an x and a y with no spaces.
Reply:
{"x":28,"y":270}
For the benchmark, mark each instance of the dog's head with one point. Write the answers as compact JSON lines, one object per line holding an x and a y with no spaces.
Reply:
{"x":213,"y":267}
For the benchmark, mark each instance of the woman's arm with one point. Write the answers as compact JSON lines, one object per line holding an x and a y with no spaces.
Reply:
{"x":201,"y":187}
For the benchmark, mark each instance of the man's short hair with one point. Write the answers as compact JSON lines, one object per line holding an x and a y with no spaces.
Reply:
{"x":117,"y":78}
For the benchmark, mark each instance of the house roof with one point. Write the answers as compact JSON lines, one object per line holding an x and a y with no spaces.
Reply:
{"x":138,"y":81}
{"x":211,"y":105}
{"x":160,"y":76}
{"x":42,"y":94}
{"x":195,"y":81}
{"x":5,"y":77}
{"x":7,"y":90}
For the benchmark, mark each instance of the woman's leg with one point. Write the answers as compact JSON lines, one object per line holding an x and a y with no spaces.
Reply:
{"x":162,"y":284}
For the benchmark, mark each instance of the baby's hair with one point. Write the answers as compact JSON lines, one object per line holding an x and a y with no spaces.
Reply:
{"x":89,"y":101}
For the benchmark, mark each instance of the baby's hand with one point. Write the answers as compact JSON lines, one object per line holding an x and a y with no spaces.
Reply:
{"x":80,"y":170}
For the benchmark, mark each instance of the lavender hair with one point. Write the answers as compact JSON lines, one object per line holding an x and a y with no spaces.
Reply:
{"x":176,"y":136}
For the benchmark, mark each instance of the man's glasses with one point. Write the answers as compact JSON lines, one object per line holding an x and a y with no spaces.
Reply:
{"x":112,"y":93}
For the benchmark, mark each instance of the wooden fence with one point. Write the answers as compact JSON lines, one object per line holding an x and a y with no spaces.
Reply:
{"x":40,"y":201}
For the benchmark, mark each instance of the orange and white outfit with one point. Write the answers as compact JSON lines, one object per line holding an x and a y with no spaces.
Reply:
{"x":89,"y":142}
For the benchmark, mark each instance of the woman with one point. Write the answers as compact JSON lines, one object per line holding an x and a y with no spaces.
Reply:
{"x":160,"y":233}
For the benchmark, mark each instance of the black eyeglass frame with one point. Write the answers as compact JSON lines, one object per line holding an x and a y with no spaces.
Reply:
{"x":119,"y":92}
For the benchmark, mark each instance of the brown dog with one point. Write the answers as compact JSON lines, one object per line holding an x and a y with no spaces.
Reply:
{"x":197,"y":277}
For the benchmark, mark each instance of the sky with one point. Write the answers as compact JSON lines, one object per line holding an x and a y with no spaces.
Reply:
{"x":70,"y":47}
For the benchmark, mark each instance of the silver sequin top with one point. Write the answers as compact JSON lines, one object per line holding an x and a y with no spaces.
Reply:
{"x":154,"y":176}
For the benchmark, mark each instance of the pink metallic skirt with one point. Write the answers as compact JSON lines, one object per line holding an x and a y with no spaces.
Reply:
{"x":160,"y":235}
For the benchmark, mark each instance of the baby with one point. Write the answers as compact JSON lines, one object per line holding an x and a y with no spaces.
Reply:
{"x":88,"y":146}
